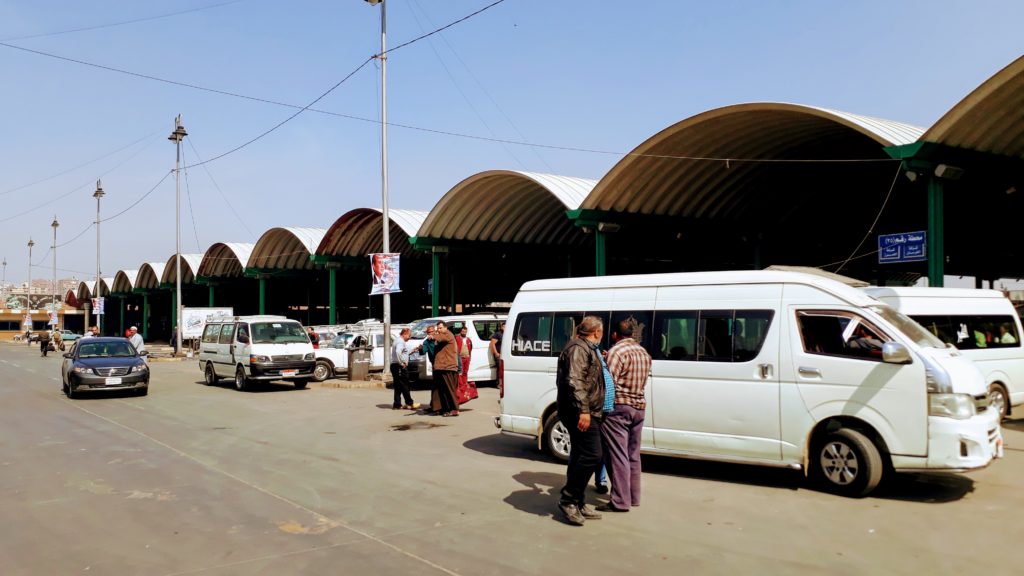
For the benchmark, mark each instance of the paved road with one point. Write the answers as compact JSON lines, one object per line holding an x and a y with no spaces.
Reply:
{"x":201,"y":480}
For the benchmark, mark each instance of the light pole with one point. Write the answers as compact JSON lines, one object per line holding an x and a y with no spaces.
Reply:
{"x":386,"y":244}
{"x":3,"y":283}
{"x":96,"y":289}
{"x":28,"y":293}
{"x":56,"y":315}
{"x":177,"y":136}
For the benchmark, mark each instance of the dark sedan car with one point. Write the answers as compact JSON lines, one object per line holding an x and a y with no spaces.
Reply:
{"x":95,"y":364}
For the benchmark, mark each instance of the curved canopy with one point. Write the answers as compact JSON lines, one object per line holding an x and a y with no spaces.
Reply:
{"x":358,"y":232}
{"x":149,"y":275}
{"x":225,"y":259}
{"x":286,"y":248}
{"x":106,"y":287}
{"x":989,"y":119}
{"x":189,"y":267}
{"x":681,"y":171}
{"x":509,"y":206}
{"x":124,"y":281}
{"x":85,"y":290}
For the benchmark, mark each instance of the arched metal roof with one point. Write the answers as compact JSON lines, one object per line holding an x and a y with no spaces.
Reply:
{"x":189,"y":265}
{"x":286,"y":248}
{"x":358,"y":232}
{"x":509,"y":206}
{"x":225,"y":259}
{"x":124,"y":281}
{"x":85,"y":290}
{"x":989,"y":119}
{"x":149,"y":275}
{"x":106,"y":285}
{"x":676,"y":172}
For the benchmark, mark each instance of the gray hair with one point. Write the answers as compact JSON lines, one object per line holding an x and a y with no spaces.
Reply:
{"x":589,"y":325}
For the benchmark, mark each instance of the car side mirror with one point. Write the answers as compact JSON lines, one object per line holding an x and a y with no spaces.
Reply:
{"x":895,"y":353}
{"x":243,"y":339}
{"x":144,"y":353}
{"x":68,"y":355}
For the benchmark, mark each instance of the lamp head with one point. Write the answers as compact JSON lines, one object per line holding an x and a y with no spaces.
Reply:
{"x":179,"y":131}
{"x":30,"y":243}
{"x":99,"y":191}
{"x":55,"y":224}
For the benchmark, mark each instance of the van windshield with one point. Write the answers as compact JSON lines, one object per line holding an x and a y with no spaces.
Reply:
{"x":278,"y":333}
{"x":909,"y":328}
{"x":419,"y":329}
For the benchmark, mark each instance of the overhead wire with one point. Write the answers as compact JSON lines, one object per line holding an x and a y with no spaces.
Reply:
{"x":191,"y":212}
{"x":216,"y":186}
{"x":878,"y":216}
{"x":140,"y":199}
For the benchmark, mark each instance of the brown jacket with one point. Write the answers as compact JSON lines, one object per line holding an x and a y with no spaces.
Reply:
{"x":446,"y":352}
{"x":580,"y":381}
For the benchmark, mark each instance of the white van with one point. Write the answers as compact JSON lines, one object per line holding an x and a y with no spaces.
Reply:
{"x":761,"y":367}
{"x":983,"y":324}
{"x":480,"y":328}
{"x":332,"y":355}
{"x":252,"y":348}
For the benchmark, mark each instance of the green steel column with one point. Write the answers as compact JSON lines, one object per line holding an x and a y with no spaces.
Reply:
{"x":263,"y":295}
{"x":122,"y":299}
{"x":332,"y":296}
{"x":174,"y":309}
{"x":936,"y":233}
{"x":435,"y":297}
{"x":599,"y":265}
{"x":211,"y":304}
{"x":145,"y":316}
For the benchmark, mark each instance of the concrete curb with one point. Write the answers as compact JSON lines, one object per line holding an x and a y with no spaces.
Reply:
{"x":348,"y":385}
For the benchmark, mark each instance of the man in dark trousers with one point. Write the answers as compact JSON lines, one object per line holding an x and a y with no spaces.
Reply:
{"x":581,"y":385}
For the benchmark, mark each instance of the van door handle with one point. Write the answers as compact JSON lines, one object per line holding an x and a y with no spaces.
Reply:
{"x":766,"y":371}
{"x":808,"y":371}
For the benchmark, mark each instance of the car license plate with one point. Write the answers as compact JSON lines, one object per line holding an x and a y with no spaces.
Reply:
{"x":113,"y":381}
{"x":289,"y":372}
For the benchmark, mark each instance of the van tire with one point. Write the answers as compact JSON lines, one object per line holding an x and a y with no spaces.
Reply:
{"x":322,"y":371}
{"x":300,"y":384}
{"x":211,"y":375}
{"x":999,"y":399}
{"x":555,"y":438}
{"x":846,"y":462}
{"x":241,"y":382}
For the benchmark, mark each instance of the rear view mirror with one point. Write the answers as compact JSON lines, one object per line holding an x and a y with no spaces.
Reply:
{"x":895,"y":353}
{"x":243,"y":339}
{"x":144,"y":353}
{"x":68,"y":355}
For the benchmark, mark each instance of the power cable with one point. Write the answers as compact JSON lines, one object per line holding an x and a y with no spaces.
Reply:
{"x":121,"y":23}
{"x":188,"y":194}
{"x":143,"y":197}
{"x":899,"y":170}
{"x":217,"y":187}
{"x":438,"y":30}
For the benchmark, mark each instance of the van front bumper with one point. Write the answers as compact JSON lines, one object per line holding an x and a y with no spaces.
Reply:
{"x":273,"y":370}
{"x":959,"y":445}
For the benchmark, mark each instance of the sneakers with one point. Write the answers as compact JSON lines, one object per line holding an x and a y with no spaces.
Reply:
{"x":589,"y":513}
{"x":602,"y":488}
{"x":572,"y":513}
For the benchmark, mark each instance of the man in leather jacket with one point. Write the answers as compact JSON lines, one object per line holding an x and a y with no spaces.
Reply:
{"x":580,"y":382}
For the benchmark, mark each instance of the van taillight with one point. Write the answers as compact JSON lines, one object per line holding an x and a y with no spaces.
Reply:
{"x":501,"y":379}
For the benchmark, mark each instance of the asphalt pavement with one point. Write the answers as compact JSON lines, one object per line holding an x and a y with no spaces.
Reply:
{"x":207,"y":480}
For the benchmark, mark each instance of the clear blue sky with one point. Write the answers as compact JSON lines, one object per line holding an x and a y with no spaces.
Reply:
{"x":586,"y":73}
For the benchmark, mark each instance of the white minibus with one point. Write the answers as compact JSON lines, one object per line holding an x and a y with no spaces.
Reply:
{"x":983,"y":324}
{"x":761,"y":367}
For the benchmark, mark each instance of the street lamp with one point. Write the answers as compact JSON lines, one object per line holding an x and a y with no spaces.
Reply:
{"x":96,"y":289}
{"x":177,"y":136}
{"x":55,"y":224}
{"x":386,"y":244}
{"x":28,"y":293}
{"x":3,"y":283}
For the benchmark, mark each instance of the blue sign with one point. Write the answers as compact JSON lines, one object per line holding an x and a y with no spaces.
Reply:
{"x":905,"y":247}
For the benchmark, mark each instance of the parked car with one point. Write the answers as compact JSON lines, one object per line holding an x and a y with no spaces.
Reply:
{"x":256,"y":348}
{"x":98,"y":364}
{"x":332,"y":356}
{"x":67,"y":336}
{"x":482,"y":367}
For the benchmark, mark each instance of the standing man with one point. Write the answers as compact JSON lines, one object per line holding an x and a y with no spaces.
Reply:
{"x":629,"y":365}
{"x":446,"y":372}
{"x":92,"y":332}
{"x":136,"y":339}
{"x":495,"y":346}
{"x":581,"y":388}
{"x":44,"y":342}
{"x":400,"y":373}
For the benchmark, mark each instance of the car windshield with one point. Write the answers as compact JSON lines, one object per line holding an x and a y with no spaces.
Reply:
{"x":105,"y":350}
{"x":278,"y":333}
{"x":919,"y":334}
{"x":419,"y":329}
{"x":342,"y":340}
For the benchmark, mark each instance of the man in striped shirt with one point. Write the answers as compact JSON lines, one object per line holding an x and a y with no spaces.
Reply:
{"x":629,"y":365}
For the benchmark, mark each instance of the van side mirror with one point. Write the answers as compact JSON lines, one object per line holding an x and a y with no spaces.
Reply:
{"x":242,"y":338}
{"x":895,"y":353}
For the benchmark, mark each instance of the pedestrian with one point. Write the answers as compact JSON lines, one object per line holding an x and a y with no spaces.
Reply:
{"x":44,"y":342}
{"x":58,"y":340}
{"x":92,"y":332}
{"x":467,"y":390}
{"x":495,"y":346}
{"x":314,"y":338}
{"x":629,"y":365}
{"x":400,"y":352}
{"x":136,"y":340}
{"x":446,"y":372}
{"x":581,"y":386}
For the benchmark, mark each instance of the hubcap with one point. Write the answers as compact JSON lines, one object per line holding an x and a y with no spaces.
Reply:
{"x":839,"y":463}
{"x":560,"y":439}
{"x":320,"y":372}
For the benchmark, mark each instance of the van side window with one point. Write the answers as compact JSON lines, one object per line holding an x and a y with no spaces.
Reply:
{"x":750,"y":328}
{"x":714,"y":336}
{"x":641,"y":322}
{"x":675,"y":336}
{"x":211,"y":333}
{"x":486,"y":328}
{"x":243,"y":330}
{"x":532,"y":335}
{"x":226,"y":331}
{"x":564,"y":330}
{"x":973,"y":332}
{"x":840,"y":333}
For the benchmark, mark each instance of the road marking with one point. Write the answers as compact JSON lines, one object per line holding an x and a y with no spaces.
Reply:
{"x":314,"y":513}
{"x":15,"y":365}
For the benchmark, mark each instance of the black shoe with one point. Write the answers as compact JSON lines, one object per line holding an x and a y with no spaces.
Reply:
{"x":602,"y":489}
{"x":609,"y":508}
{"x":588,"y":512}
{"x":572,"y":513}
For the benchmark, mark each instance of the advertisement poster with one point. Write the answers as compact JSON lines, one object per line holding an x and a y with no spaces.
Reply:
{"x":195,"y":320}
{"x":97,"y":306}
{"x":384,"y":270}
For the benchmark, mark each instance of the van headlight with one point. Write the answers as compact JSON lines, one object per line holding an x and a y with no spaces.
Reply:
{"x":257,"y":359}
{"x":309,"y":356}
{"x":959,"y":406}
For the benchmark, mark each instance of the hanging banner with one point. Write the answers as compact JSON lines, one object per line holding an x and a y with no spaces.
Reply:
{"x":26,"y":322}
{"x":97,"y":306}
{"x":384,"y":270}
{"x":53,"y":318}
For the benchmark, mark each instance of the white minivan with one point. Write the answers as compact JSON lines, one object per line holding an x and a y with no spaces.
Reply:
{"x":761,"y":367}
{"x":255,"y":348}
{"x":983,"y":324}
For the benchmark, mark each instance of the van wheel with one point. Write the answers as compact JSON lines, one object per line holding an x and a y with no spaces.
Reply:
{"x":322,"y":371}
{"x":211,"y":375}
{"x":300,"y":384}
{"x":556,"y":438}
{"x":998,"y":399}
{"x":241,"y":383}
{"x":847,"y":463}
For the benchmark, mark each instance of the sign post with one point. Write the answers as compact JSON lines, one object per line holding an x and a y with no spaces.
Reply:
{"x":903,"y":247}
